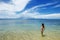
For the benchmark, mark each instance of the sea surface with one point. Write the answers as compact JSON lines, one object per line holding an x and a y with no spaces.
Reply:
{"x":52,"y":28}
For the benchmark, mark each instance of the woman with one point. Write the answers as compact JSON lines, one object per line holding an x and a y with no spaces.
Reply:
{"x":42,"y":29}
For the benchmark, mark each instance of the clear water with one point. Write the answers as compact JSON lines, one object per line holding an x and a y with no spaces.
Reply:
{"x":52,"y":29}
{"x":51,"y":24}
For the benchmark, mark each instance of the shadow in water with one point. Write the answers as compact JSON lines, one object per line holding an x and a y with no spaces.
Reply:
{"x":43,"y":35}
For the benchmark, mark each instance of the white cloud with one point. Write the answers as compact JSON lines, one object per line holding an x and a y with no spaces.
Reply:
{"x":17,"y":5}
{"x":8,"y":7}
{"x":43,"y":5}
{"x":8,"y":14}
{"x":8,"y":10}
{"x":34,"y":14}
{"x":25,"y":15}
{"x":37,"y":15}
{"x":56,"y":6}
{"x":47,"y":16}
{"x":52,"y":16}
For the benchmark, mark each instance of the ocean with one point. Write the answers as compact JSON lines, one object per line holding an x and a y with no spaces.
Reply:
{"x":31,"y":28}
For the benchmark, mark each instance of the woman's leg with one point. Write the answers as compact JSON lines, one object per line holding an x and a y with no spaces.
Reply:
{"x":42,"y":33}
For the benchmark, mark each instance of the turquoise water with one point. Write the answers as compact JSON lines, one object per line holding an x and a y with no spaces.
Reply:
{"x":29,"y":29}
{"x":19,"y":25}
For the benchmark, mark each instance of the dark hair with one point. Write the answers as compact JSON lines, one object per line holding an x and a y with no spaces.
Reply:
{"x":42,"y":25}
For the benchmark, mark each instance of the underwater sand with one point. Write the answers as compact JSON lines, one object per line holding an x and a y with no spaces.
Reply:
{"x":28,"y":35}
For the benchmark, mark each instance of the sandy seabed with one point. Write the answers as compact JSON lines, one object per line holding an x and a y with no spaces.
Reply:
{"x":28,"y":35}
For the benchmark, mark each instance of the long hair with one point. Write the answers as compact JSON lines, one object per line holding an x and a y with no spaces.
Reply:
{"x":42,"y":25}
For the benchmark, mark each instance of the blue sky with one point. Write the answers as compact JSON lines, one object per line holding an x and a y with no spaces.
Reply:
{"x":44,"y":9}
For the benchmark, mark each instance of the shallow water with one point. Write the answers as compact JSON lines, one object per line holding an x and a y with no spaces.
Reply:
{"x":29,"y":29}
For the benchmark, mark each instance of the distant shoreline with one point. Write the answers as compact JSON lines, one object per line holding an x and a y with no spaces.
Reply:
{"x":25,"y":19}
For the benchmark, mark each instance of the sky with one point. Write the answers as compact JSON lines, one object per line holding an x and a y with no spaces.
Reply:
{"x":38,"y":9}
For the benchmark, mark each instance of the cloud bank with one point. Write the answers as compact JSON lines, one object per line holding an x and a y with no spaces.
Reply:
{"x":37,"y":15}
{"x":8,"y":14}
{"x":8,"y":10}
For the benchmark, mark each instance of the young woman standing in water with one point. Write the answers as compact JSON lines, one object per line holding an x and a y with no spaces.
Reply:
{"x":42,"y":29}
